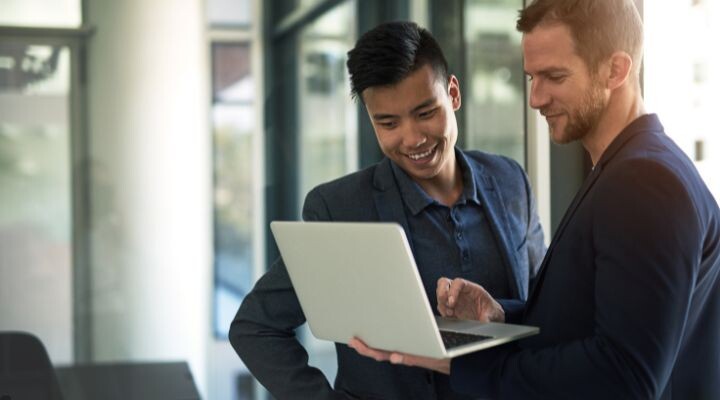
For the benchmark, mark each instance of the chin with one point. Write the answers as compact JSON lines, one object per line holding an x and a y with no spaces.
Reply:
{"x":561,"y":140}
{"x":561,"y":136}
{"x":556,"y":136}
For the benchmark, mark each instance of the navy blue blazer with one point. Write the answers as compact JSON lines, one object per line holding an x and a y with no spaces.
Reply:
{"x":628,"y":295}
{"x":263,"y":332}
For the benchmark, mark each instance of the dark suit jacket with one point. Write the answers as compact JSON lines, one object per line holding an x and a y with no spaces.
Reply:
{"x":263,"y":332}
{"x":628,"y":296}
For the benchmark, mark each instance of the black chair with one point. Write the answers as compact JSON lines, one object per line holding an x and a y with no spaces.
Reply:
{"x":26,"y":372}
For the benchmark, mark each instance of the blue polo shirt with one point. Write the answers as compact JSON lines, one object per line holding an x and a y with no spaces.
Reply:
{"x":455,"y":241}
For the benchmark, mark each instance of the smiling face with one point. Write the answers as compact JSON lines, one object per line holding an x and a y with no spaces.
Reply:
{"x":562,"y":87}
{"x":414,"y":121}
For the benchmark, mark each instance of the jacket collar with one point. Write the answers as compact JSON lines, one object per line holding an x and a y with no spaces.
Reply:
{"x":644,"y":123}
{"x":496,"y":213}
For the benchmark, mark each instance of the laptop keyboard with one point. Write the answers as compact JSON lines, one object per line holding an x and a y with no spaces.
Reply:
{"x":456,"y":339}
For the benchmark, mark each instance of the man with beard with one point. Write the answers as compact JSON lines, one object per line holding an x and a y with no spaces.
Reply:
{"x":628,"y":295}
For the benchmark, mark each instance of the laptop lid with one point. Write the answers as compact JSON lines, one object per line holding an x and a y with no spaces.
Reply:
{"x":360,"y":279}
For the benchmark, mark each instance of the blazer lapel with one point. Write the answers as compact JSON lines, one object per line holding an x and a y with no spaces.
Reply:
{"x":645,"y":123}
{"x":388,"y":201}
{"x":587,"y":185}
{"x":496,"y":213}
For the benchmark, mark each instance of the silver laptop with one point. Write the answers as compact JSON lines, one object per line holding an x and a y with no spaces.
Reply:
{"x":360,"y":280}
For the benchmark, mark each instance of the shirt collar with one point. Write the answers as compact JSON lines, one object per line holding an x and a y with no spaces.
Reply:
{"x":417,"y":200}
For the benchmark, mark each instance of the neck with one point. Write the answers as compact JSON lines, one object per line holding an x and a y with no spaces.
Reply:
{"x":625,"y":105}
{"x":447,"y":186}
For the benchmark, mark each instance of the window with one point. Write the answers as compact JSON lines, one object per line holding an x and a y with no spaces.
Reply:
{"x":36,"y":218}
{"x":494,"y":81}
{"x":328,"y":124}
{"x":36,"y":266}
{"x":328,"y":117}
{"x":41,"y":13}
{"x":233,"y":122}
{"x":238,"y":176}
{"x":230,"y":13}
{"x":483,"y":49}
{"x":682,"y":78}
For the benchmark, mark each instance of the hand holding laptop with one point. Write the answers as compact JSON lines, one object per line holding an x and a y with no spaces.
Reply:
{"x":441,"y":365}
{"x":457,"y":298}
{"x":463,"y":299}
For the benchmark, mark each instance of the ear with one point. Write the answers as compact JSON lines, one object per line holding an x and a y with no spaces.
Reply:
{"x":454,"y":92}
{"x":621,"y":66}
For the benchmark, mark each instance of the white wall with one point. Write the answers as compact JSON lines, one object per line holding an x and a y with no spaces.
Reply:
{"x":151,"y":182}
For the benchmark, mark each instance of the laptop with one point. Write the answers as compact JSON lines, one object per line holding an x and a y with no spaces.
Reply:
{"x":357,"y":279}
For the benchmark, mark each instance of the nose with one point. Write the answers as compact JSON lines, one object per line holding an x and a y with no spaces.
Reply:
{"x":539,"y":98}
{"x":413,"y":137}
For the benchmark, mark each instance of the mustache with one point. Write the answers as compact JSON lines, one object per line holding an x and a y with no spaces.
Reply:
{"x":548,"y":111}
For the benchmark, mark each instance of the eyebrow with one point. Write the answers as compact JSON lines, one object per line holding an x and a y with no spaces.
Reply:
{"x":414,"y":110}
{"x":549,"y":71}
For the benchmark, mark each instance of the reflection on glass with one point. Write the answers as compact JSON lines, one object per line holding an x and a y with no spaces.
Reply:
{"x":35,"y":190}
{"x":328,"y":122}
{"x":682,"y":78}
{"x":229,"y":12}
{"x":308,"y":3}
{"x":328,"y":132}
{"x":494,"y":98}
{"x":41,"y":13}
{"x":233,"y":126}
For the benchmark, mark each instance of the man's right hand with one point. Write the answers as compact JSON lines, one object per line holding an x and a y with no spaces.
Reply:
{"x":467,"y":300}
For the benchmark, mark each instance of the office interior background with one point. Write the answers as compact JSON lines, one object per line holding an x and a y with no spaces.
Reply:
{"x":146,"y":145}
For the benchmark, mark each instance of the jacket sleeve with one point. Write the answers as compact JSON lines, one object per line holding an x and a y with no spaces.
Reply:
{"x":647,"y":239}
{"x":263,"y":332}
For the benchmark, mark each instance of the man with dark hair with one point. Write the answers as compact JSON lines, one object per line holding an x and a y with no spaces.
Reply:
{"x":628,"y":295}
{"x":466,"y":214}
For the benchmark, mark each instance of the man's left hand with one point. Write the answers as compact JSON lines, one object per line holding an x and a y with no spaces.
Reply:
{"x":441,"y":365}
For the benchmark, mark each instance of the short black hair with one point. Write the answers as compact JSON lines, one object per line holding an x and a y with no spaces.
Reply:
{"x":390,"y":52}
{"x":599,"y":27}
